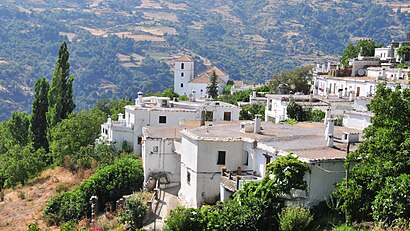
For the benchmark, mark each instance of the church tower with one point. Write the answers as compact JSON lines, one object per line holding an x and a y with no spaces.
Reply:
{"x":183,"y":73}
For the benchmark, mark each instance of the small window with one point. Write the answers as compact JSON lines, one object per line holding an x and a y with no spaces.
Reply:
{"x":139,"y":140}
{"x":182,"y":65}
{"x":227,"y":116}
{"x":106,"y":131}
{"x":162,"y":119}
{"x":188,"y":177}
{"x":245,"y":158}
{"x":221,"y":157}
{"x":182,"y":74}
{"x":182,"y":85}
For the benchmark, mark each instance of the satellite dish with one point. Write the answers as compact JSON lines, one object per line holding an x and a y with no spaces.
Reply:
{"x":361,"y":72}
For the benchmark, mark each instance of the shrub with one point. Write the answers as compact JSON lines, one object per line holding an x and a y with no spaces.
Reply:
{"x":109,"y":184}
{"x":295,"y":219}
{"x":68,"y":226}
{"x":134,"y":212}
{"x":317,"y":115}
{"x":393,"y":201}
{"x":183,"y":219}
{"x":33,"y":227}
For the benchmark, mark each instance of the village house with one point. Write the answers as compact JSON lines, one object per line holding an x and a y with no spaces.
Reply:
{"x":161,"y":112}
{"x":245,"y":148}
{"x":185,"y":82}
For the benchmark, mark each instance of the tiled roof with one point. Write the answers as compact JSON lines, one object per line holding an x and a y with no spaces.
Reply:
{"x":184,"y":58}
{"x":205,"y":77}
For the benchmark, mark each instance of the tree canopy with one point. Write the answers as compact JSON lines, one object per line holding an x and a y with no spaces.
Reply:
{"x":296,"y":80}
{"x":381,"y":159}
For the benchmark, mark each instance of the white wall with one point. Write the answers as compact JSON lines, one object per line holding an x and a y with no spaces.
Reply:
{"x":356,"y":120}
{"x":322,"y":179}
{"x":162,"y":160}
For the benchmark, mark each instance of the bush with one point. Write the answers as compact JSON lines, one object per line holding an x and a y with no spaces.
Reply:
{"x":33,"y":227}
{"x":393,"y":201}
{"x":68,"y":226}
{"x":183,"y":219}
{"x":295,"y":218}
{"x":109,"y":184}
{"x":134,"y":212}
{"x":317,"y":115}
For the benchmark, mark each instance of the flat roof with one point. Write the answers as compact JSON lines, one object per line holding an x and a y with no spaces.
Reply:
{"x":305,"y":140}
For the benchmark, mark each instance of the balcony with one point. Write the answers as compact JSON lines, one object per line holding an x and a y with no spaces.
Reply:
{"x":234,"y":180}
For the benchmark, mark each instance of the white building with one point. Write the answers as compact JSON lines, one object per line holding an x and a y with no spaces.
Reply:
{"x":161,"y":112}
{"x":359,"y":117}
{"x":244,"y":146}
{"x":186,"y":84}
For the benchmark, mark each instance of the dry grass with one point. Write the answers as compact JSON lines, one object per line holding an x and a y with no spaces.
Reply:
{"x":161,"y":16}
{"x":18,"y":211}
{"x":140,"y":37}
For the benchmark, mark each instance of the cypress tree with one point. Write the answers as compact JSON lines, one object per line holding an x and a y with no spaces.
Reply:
{"x":38,"y":120}
{"x":213,"y":87}
{"x":60,"y":95}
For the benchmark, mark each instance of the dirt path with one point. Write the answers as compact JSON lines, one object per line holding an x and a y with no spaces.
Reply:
{"x":167,"y":201}
{"x":24,"y":205}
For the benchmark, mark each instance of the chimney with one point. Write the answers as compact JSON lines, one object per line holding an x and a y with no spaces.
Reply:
{"x":120,"y":117}
{"x":330,"y":141}
{"x":351,"y":96}
{"x":109,"y":120}
{"x":330,"y":129}
{"x":257,"y":128}
{"x":253,"y":94}
{"x":408,"y":37}
{"x":327,"y":115}
{"x":203,"y":114}
{"x":328,"y":66}
{"x":138,"y":101}
{"x":193,"y":95}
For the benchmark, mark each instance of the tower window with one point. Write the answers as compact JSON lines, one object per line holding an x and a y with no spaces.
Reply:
{"x":182,"y":85}
{"x":182,"y":65}
{"x":182,"y":74}
{"x":188,"y":177}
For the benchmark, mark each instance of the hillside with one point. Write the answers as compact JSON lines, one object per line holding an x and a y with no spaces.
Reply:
{"x":121,"y":47}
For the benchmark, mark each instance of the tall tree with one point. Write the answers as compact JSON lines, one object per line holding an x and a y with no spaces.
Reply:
{"x":38,"y":120}
{"x":213,"y":87}
{"x":60,"y":95}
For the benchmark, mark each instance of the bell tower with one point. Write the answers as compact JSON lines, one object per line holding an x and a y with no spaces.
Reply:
{"x":183,"y":73}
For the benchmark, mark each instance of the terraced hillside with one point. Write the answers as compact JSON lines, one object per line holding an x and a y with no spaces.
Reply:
{"x":121,"y":47}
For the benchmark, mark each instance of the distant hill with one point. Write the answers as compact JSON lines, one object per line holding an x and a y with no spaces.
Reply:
{"x":119,"y":47}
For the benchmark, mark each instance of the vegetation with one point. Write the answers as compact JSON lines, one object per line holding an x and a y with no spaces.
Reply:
{"x":237,"y":41}
{"x":298,"y":113}
{"x":38,"y":120}
{"x":108,"y":184}
{"x":212,"y":89}
{"x":296,"y":80}
{"x":295,"y":219}
{"x":248,"y":112}
{"x":134,"y":212}
{"x":384,"y":163}
{"x":254,"y":207}
{"x":366,"y":47}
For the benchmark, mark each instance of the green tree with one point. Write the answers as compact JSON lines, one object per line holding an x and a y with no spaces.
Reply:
{"x":383,"y":154}
{"x":38,"y":120}
{"x":60,"y":95}
{"x":248,"y":112}
{"x":18,"y":128}
{"x":366,"y":46}
{"x":212,"y":89}
{"x":78,"y":130}
{"x":296,"y":80}
{"x":135,"y":212}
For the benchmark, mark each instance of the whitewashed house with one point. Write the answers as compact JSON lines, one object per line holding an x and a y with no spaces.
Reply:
{"x":161,"y":112}
{"x":185,"y":82}
{"x":246,"y":147}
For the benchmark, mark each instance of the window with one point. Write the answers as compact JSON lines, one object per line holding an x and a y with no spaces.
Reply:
{"x":182,"y":85}
{"x":162,"y":119}
{"x":182,"y":65}
{"x":245,"y":158}
{"x":209,"y":116}
{"x":182,"y":74}
{"x":227,"y":116}
{"x":188,"y":177}
{"x":221,"y":157}
{"x":139,"y":140}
